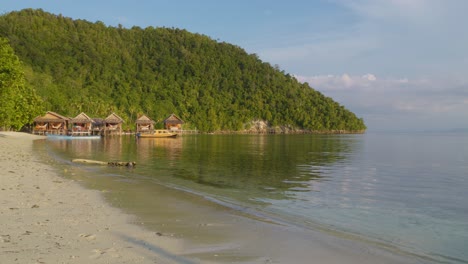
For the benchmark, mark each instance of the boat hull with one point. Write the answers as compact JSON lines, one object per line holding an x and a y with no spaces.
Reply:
{"x":158,"y":134}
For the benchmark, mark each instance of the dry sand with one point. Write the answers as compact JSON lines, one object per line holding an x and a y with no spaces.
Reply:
{"x":45,"y":218}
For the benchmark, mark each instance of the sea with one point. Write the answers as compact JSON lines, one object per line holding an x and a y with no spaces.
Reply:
{"x":402,"y":192}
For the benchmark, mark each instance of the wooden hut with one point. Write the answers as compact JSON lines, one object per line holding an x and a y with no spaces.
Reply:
{"x":113,"y":124}
{"x":98,"y":126}
{"x":51,"y":123}
{"x":82,"y":124}
{"x":173,"y":123}
{"x":144,"y":124}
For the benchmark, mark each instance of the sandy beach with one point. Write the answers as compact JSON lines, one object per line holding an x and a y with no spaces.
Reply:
{"x":45,"y":218}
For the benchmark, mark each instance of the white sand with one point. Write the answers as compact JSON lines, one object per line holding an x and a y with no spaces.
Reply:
{"x":45,"y":218}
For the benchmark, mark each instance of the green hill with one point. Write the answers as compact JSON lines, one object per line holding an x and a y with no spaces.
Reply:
{"x":76,"y":65}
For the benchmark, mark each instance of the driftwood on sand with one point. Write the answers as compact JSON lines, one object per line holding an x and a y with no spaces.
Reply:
{"x":108,"y":163}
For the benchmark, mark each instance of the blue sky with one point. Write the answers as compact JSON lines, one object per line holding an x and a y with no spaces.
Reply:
{"x":399,"y":64}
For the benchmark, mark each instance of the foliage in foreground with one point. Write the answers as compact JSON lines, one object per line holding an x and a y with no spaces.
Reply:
{"x":19,"y":103}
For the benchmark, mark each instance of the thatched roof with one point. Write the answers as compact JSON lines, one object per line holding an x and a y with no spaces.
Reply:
{"x":113,"y":119}
{"x":51,"y":117}
{"x":173,"y":120}
{"x":82,"y":118}
{"x":98,"y":121}
{"x":144,"y":120}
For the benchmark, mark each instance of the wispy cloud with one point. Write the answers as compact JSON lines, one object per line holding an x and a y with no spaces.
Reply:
{"x":390,"y":9}
{"x":416,"y":38}
{"x":413,"y":51}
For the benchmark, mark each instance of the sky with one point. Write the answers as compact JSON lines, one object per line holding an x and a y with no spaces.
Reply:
{"x":401,"y":65}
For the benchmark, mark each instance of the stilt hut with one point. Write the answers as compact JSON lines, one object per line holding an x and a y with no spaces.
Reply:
{"x":98,"y":126}
{"x":173,"y":123}
{"x":82,"y":124}
{"x":113,"y":124}
{"x":144,"y":124}
{"x":51,"y":123}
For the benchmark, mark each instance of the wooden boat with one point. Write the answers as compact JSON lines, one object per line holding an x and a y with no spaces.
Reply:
{"x":54,"y":136}
{"x":159,"y":133}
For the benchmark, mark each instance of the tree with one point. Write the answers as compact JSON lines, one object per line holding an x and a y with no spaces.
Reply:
{"x":19,"y":103}
{"x":76,"y":65}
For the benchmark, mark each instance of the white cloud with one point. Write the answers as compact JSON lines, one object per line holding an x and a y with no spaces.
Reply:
{"x":422,"y":103}
{"x":341,"y":82}
{"x":347,"y":80}
{"x":396,"y":59}
{"x":369,"y":77}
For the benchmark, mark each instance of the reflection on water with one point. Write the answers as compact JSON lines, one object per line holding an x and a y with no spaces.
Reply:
{"x":242,"y":170}
{"x":150,"y":148}
{"x":408,"y":191}
{"x":81,"y":147}
{"x":239,"y":167}
{"x":256,"y":166}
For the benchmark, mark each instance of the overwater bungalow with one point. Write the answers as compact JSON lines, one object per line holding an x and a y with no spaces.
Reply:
{"x":82,"y":124}
{"x":98,"y":126}
{"x":144,"y":124}
{"x":51,"y":123}
{"x":113,"y":124}
{"x":173,"y":123}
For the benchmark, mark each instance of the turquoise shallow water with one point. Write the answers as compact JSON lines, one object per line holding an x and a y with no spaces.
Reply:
{"x":404,"y":191}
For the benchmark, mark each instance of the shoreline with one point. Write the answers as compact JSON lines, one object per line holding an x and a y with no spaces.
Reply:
{"x":49,"y":219}
{"x":54,"y":219}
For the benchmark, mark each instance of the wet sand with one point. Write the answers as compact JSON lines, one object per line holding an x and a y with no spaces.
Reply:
{"x":46,"y":218}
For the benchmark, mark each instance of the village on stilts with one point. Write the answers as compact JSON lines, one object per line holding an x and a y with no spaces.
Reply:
{"x":55,"y":125}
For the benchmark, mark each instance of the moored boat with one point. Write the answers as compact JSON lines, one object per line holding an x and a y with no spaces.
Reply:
{"x":159,"y":133}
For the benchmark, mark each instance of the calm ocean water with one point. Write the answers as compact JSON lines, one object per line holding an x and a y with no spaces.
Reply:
{"x":404,"y":191}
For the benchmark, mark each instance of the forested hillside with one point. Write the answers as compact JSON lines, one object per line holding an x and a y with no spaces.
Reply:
{"x":19,"y":103}
{"x":76,"y":65}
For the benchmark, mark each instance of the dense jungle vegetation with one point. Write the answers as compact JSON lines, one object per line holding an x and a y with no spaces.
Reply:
{"x":78,"y":66}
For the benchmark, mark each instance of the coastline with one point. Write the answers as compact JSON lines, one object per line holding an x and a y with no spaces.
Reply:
{"x":49,"y":219}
